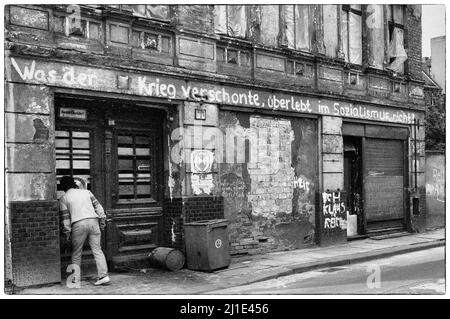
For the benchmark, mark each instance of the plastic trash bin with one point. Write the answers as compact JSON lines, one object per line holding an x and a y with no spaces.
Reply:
{"x":207,"y":247}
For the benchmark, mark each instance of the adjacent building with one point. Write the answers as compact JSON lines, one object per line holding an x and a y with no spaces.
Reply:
{"x":299,"y":124}
{"x":434,"y":97}
{"x":438,"y":61}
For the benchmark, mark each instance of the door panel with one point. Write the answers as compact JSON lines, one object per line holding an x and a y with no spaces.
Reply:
{"x":136,"y":167}
{"x":132,"y":232}
{"x":135,"y":210}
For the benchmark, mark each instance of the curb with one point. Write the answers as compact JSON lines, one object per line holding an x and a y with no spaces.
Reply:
{"x":352,"y":259}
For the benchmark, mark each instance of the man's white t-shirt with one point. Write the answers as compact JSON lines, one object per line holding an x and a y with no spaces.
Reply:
{"x":80,"y":204}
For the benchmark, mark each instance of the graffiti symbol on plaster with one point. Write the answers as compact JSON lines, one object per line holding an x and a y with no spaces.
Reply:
{"x":201,"y":161}
{"x":202,"y":184}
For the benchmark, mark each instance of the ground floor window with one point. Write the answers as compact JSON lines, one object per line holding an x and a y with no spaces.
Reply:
{"x":73,"y":155}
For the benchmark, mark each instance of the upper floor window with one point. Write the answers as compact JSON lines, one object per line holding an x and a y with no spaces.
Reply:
{"x":297,"y":18}
{"x":374,"y":24}
{"x":151,"y":11}
{"x":396,"y":51}
{"x":230,"y":20}
{"x":233,"y":56}
{"x":351,"y":33}
{"x":269,"y":25}
{"x":330,"y":30}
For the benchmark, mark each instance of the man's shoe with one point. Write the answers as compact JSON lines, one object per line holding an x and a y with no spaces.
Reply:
{"x":102,"y":281}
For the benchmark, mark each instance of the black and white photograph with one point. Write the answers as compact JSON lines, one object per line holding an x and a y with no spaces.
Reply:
{"x":224,"y":150}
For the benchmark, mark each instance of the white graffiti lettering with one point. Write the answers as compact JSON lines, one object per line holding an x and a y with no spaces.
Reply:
{"x":301,"y":183}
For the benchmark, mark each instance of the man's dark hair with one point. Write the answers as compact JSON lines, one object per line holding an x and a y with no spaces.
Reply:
{"x":67,"y":182}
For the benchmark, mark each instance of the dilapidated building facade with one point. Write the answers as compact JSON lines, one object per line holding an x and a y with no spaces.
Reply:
{"x":173,"y":114}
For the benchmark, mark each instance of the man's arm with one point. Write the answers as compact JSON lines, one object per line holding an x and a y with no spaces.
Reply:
{"x":97,"y":206}
{"x":65,"y":218}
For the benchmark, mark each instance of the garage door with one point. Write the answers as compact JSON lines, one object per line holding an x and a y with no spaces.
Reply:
{"x":384,"y":184}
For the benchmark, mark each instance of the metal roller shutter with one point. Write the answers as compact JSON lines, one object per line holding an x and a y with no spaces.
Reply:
{"x":384,"y":184}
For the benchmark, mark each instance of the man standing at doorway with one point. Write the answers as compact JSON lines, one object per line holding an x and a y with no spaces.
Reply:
{"x":82,"y":217}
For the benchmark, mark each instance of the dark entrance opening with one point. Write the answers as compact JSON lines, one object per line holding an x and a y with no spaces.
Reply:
{"x":376,"y":177}
{"x":114,"y":149}
{"x":353,"y":182}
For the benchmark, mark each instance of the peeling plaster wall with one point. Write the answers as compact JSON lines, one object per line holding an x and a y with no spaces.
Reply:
{"x":29,"y":143}
{"x":269,"y":200}
{"x":332,"y":153}
{"x":32,"y":237}
{"x":172,"y":169}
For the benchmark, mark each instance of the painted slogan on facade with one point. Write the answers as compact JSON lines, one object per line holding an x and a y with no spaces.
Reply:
{"x":334,"y":210}
{"x":59,"y":74}
{"x":332,"y":223}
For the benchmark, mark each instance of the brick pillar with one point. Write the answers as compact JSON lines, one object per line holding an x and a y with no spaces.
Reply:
{"x":332,"y":153}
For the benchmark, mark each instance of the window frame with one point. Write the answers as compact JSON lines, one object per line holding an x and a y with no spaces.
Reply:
{"x":70,"y":154}
{"x":227,"y":34}
{"x":152,"y":157}
{"x":239,"y":53}
{"x":309,"y":29}
{"x":391,"y":25}
{"x":129,"y":8}
{"x":347,"y":8}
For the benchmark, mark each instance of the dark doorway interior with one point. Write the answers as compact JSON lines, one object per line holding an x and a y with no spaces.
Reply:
{"x":353,"y":185}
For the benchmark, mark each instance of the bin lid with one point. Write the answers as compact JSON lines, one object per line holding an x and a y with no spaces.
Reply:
{"x":207,"y":222}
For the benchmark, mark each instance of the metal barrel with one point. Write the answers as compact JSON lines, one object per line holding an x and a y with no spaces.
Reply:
{"x":167,"y":258}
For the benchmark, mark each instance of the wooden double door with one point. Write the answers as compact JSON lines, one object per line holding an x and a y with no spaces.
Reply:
{"x":116,"y":151}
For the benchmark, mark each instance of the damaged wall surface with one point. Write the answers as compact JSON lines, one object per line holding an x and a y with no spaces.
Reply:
{"x":32,"y":215}
{"x":269,"y":198}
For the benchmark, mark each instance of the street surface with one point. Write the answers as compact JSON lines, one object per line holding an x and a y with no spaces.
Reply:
{"x":421,"y":272}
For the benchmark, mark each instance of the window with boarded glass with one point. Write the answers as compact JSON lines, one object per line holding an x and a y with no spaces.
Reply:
{"x":136,"y":168}
{"x":73,"y":156}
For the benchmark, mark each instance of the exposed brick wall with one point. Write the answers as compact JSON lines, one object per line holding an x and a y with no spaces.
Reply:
{"x":413,"y":41}
{"x":178,"y":211}
{"x":266,"y":198}
{"x":35,"y":242}
{"x":198,"y":18}
{"x":198,"y":208}
{"x":173,"y":222}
